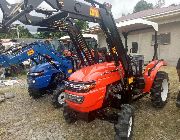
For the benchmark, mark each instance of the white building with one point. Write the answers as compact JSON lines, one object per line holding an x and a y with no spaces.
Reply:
{"x":168,"y":19}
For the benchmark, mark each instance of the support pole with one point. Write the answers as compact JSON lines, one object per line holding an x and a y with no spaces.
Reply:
{"x":126,"y":38}
{"x":155,"y":57}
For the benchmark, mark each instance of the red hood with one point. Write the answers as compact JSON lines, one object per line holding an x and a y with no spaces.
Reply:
{"x":91,"y":73}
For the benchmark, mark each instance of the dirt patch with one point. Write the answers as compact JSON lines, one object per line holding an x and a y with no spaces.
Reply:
{"x":24,"y":118}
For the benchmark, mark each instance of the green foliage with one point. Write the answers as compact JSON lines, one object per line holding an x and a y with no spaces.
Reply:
{"x":82,"y":24}
{"x":123,"y":14}
{"x":12,"y":33}
{"x":45,"y":35}
{"x":160,"y":3}
{"x":142,"y":5}
{"x":24,"y":32}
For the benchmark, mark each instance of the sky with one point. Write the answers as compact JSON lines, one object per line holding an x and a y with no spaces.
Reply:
{"x":127,"y":6}
{"x":118,"y":6}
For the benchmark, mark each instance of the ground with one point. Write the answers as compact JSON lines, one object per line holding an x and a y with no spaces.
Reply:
{"x":24,"y":118}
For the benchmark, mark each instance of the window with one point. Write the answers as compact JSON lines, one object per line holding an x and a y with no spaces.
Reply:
{"x":165,"y":38}
{"x":134,"y":47}
{"x":162,"y":39}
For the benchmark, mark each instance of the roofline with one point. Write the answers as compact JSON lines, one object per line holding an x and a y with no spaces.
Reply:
{"x":160,"y":14}
{"x":137,"y":21}
{"x":151,"y":16}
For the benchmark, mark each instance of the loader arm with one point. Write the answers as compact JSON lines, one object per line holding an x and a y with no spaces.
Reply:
{"x":99,"y":13}
{"x":20,"y":11}
{"x":82,"y":49}
{"x":92,"y":12}
{"x":69,"y":26}
{"x":33,"y":51}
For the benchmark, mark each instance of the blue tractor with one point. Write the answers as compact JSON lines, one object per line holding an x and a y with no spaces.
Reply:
{"x":46,"y":76}
{"x":43,"y":77}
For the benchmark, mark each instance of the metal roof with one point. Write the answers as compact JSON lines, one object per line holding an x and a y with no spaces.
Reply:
{"x":136,"y":24}
{"x":150,"y":12}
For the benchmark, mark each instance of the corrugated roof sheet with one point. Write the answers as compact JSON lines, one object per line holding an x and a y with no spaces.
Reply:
{"x":149,"y":12}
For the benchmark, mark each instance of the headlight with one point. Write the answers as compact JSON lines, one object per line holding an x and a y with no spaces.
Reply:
{"x":74,"y":98}
{"x":79,"y":86}
{"x":87,"y":87}
{"x":35,"y":74}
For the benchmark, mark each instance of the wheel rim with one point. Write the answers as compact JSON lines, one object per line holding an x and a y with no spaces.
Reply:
{"x":61,"y":98}
{"x":164,"y":92}
{"x":130,"y":126}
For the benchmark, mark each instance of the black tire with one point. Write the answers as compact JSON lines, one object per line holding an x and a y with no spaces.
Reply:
{"x":124,"y":126}
{"x":58,"y":97}
{"x":160,"y":90}
{"x":178,"y":100}
{"x":56,"y":79}
{"x":69,"y":115}
{"x":35,"y":94}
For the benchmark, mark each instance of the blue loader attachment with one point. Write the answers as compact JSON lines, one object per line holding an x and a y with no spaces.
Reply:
{"x":41,"y":78}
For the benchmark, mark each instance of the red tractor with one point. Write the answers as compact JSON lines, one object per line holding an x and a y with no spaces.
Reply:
{"x":96,"y":86}
{"x":114,"y":84}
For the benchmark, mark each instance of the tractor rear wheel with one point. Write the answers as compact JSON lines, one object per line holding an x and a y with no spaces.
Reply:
{"x":124,"y":126}
{"x":160,"y":89}
{"x":58,"y":97}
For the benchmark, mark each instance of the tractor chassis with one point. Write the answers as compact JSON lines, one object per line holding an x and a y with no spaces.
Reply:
{"x":105,"y":113}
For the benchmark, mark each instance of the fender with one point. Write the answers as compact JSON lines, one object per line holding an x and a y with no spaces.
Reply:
{"x":150,"y":73}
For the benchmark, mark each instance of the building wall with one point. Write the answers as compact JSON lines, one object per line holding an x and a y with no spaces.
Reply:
{"x":170,"y":52}
{"x":102,"y":40}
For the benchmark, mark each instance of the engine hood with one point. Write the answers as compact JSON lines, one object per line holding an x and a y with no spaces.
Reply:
{"x":42,"y":67}
{"x":92,"y":73}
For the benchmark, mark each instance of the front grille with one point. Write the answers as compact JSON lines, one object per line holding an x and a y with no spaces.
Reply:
{"x":77,"y":86}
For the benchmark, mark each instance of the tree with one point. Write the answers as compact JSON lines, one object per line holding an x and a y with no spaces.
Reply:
{"x":160,"y":3}
{"x":142,"y":5}
{"x":82,"y":24}
{"x":44,"y":35}
{"x":123,"y":14}
{"x":24,"y":32}
{"x":12,"y":33}
{"x":174,"y":4}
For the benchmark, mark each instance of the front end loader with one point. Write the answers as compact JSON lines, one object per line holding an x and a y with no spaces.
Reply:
{"x":93,"y":88}
{"x":112,"y":84}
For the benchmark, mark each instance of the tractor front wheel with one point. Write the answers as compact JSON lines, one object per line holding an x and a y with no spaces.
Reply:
{"x":58,"y":97}
{"x":124,"y":126}
{"x":69,"y":115}
{"x":160,"y":90}
{"x":35,"y":94}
